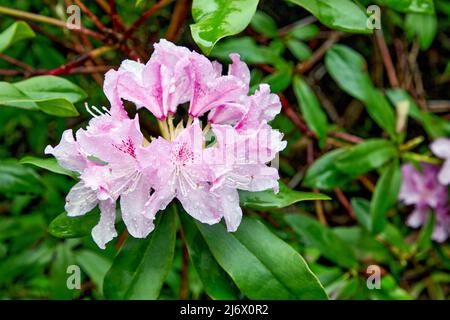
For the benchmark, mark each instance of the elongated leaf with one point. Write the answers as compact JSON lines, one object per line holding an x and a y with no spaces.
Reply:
{"x":215,"y":19}
{"x":299,"y":49}
{"x":264,"y":24}
{"x":314,"y":115}
{"x":304,"y":32}
{"x":323,"y":173}
{"x":341,"y":15}
{"x":424,"y":26}
{"x":262,"y":265}
{"x":15,"y":178}
{"x":349,"y":69}
{"x":217,"y":283}
{"x":51,"y":87}
{"x":58,"y":275}
{"x":49,"y":164}
{"x":269,"y":200}
{"x":366,"y":156}
{"x":18,"y":31}
{"x":385,"y":195}
{"x":66,"y":227}
{"x":330,"y":245}
{"x":389,"y":234}
{"x":142,"y":265}
{"x":417,"y":6}
{"x":11,"y":96}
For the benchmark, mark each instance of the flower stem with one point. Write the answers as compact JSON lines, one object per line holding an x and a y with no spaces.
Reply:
{"x":171,"y":128}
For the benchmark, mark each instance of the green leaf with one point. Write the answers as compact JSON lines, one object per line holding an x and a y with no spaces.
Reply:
{"x":349,"y":69}
{"x":262,"y":265}
{"x":299,"y":49}
{"x":15,"y":178}
{"x":247,"y":48}
{"x":366,"y":156}
{"x":264,"y":24}
{"x":11,"y":96}
{"x":94,"y":265}
{"x":341,"y":15}
{"x":324,"y":175}
{"x":215,"y":19}
{"x":66,"y":227}
{"x":311,"y":110}
{"x":389,"y":234}
{"x":363,"y":244}
{"x":51,"y":87}
{"x":50,"y":164}
{"x":268,"y":199}
{"x":385,"y":195}
{"x":417,"y":6}
{"x":142,"y":265}
{"x":280,"y":79}
{"x":18,"y":31}
{"x":304,"y":32}
{"x":217,"y":283}
{"x":424,"y":240}
{"x":330,"y":245}
{"x":424,"y":26}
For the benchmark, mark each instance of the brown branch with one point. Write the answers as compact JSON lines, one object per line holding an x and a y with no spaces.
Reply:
{"x":93,"y":17}
{"x":16,"y":62}
{"x":147,"y":14}
{"x":305,"y":66}
{"x":48,"y":20}
{"x":344,"y":201}
{"x":179,"y":15}
{"x":387,"y":59}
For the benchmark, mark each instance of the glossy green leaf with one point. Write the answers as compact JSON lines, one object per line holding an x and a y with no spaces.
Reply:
{"x":217,"y":283}
{"x":385,"y":195}
{"x":311,"y":110}
{"x":366,"y":156}
{"x":341,"y":15}
{"x":330,"y":245}
{"x":304,"y":32}
{"x":247,"y":48}
{"x":417,"y":6}
{"x":215,"y":19}
{"x":49,"y":164}
{"x":252,"y":255}
{"x":280,"y":79}
{"x":323,"y":173}
{"x":66,"y":227}
{"x":299,"y":49}
{"x":51,"y":87}
{"x":349,"y":69}
{"x":15,"y":178}
{"x":11,"y":96}
{"x":264,"y":24}
{"x":18,"y":31}
{"x":142,"y":265}
{"x":268,"y":199}
{"x":424,"y":26}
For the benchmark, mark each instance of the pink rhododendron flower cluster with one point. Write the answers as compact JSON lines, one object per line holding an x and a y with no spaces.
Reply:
{"x":422,"y":188}
{"x":201,"y":166}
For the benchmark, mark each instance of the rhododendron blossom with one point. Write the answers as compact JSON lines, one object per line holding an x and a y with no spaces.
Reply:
{"x":203,"y":166}
{"x":423,"y":190}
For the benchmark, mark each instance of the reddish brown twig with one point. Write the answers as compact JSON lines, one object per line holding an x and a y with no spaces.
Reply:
{"x":346,"y":137}
{"x":387,"y":59}
{"x":92,"y":17}
{"x":344,"y":201}
{"x":305,"y":66}
{"x":179,"y":15}
{"x":293,"y":115}
{"x":16,"y":62}
{"x":147,"y":14}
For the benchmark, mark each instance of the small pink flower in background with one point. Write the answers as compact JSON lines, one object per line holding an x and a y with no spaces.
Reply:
{"x":441,"y":148}
{"x":423,"y":190}
{"x":116,"y":163}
